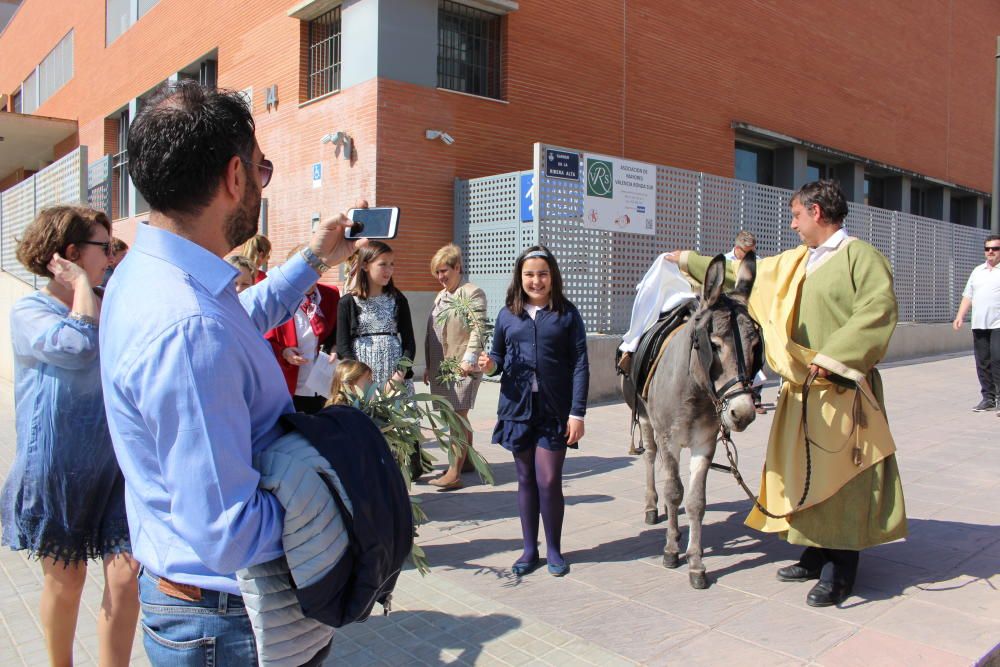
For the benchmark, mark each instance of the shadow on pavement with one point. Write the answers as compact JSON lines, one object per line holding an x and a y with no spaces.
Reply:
{"x":422,"y":634}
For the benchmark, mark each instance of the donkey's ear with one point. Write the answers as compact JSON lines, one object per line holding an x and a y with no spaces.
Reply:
{"x":715,"y":278}
{"x":745,"y":276}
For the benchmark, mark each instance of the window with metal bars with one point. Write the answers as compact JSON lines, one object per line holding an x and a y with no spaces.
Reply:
{"x":469,"y":49}
{"x":324,"y":54}
{"x":119,"y":169}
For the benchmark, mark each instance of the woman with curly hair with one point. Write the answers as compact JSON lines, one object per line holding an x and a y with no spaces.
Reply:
{"x":64,"y":500}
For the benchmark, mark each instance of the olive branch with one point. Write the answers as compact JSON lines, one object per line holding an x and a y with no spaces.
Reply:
{"x":400,"y":416}
{"x":470,"y":312}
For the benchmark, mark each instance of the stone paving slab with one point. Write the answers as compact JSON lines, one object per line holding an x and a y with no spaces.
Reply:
{"x":932,"y":599}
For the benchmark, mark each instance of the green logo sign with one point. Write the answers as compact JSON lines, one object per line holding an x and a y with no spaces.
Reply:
{"x":599,"y":180}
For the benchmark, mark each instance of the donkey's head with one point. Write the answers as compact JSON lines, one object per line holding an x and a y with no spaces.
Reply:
{"x":727,"y":346}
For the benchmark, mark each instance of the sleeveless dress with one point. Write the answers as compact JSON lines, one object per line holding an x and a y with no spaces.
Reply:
{"x":378,"y":344}
{"x":65,"y":495}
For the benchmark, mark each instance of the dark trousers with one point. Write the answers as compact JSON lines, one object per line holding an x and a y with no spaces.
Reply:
{"x":837,"y":566}
{"x":308,"y":404}
{"x":986,"y":346}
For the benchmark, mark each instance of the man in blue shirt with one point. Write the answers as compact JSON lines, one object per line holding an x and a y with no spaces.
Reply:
{"x":192,"y":389}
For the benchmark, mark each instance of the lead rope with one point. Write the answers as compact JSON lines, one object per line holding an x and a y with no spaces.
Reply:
{"x":730,"y":446}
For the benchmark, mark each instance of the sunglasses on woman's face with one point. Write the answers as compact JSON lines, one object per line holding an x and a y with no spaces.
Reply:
{"x":106,"y":245}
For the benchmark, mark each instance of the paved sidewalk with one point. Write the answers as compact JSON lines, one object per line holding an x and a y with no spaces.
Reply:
{"x":932,"y":599}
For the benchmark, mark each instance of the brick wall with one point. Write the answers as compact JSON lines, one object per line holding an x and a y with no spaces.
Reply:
{"x":908,"y":83}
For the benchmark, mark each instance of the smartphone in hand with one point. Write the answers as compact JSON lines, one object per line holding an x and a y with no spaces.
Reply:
{"x":373,"y":223}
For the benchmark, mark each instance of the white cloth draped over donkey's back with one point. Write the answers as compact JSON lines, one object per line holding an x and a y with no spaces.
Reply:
{"x":663,"y":288}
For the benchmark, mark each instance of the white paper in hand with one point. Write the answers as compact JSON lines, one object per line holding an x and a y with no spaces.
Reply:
{"x":321,"y":376}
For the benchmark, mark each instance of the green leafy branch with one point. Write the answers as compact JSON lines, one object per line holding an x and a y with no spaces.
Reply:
{"x":400,"y":415}
{"x":469,"y":311}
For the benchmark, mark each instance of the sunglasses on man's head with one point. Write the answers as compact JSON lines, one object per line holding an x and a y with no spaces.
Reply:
{"x":991,"y":248}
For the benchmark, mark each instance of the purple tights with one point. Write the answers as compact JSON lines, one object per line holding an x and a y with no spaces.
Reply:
{"x":539,"y":488}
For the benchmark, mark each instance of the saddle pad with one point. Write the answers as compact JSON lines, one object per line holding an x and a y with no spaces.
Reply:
{"x":652,"y":343}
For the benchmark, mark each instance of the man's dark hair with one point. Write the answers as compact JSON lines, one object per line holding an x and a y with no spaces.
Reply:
{"x":826,"y":194}
{"x":992,"y":237}
{"x":516,"y":298}
{"x":182,"y":140}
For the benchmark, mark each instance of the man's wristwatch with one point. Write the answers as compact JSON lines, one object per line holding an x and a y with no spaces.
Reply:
{"x":318,"y":265}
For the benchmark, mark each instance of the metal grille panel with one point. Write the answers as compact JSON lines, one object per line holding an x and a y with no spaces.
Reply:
{"x":62,"y":182}
{"x":931,"y":259}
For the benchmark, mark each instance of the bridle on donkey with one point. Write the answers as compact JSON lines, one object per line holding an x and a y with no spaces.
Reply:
{"x":701,"y":343}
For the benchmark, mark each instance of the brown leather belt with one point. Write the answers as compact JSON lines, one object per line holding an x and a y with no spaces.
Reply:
{"x":186,"y":592}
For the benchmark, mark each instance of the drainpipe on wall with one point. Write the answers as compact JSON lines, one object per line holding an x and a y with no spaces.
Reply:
{"x":995,"y":204}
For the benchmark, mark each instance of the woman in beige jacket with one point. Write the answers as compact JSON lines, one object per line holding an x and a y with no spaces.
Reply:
{"x":453,"y":338}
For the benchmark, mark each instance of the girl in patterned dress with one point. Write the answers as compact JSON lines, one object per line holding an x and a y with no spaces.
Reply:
{"x":373,"y":319}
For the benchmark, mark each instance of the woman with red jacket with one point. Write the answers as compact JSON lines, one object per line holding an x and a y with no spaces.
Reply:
{"x":297,"y":342}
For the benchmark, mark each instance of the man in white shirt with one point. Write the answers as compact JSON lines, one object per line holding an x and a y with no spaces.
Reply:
{"x":745,"y":242}
{"x":982,"y":294}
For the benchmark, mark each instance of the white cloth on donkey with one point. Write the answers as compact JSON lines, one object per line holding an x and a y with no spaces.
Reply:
{"x":661,"y":289}
{"x":313,"y":538}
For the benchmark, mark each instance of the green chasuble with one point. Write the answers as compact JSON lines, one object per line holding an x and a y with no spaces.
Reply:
{"x":840,"y":315}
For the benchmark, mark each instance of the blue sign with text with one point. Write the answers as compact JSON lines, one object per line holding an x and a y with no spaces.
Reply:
{"x":562,"y":164}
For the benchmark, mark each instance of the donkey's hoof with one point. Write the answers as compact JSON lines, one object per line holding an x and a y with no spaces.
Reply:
{"x":698,"y":580}
{"x":652,"y":517}
{"x":636,"y":451}
{"x":671,"y":560}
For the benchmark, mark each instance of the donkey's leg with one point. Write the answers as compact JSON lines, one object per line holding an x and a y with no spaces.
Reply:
{"x":673,"y":492}
{"x":701,"y":458}
{"x":649,"y":456}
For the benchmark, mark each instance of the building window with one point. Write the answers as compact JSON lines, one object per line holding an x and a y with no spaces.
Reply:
{"x":754,"y":164}
{"x":469,"y":50}
{"x":119,"y":170}
{"x":208,"y":73}
{"x":16,"y":101}
{"x":56,"y":69}
{"x":874,"y":191}
{"x":817,"y":171}
{"x":918,"y":201}
{"x":324,"y":54}
{"x":118,"y":16}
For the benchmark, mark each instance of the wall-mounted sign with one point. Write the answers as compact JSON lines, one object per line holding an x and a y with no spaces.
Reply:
{"x":562,"y":164}
{"x":620,"y":195}
{"x":527,"y":196}
{"x":317,"y":174}
{"x":271,"y":97}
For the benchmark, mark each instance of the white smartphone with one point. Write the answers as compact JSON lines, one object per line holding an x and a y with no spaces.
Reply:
{"x":373,"y":223}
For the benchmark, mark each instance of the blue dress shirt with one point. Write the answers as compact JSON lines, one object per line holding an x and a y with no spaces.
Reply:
{"x":192,"y":392}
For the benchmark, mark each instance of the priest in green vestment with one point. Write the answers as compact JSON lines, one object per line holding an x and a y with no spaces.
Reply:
{"x":828,"y":308}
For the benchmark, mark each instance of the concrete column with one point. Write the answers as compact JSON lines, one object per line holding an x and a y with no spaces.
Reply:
{"x":391,"y":39}
{"x":897,"y":193}
{"x":851,"y":176}
{"x":939,"y":203}
{"x":790,"y":167}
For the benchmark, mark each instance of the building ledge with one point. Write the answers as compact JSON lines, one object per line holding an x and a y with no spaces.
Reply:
{"x":28,"y":141}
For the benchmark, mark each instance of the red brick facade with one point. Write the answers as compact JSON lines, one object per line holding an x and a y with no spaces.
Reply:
{"x":910,"y":84}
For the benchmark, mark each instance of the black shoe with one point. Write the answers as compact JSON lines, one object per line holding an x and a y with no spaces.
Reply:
{"x":797,"y":572}
{"x":826,"y":594}
{"x":984,"y":405}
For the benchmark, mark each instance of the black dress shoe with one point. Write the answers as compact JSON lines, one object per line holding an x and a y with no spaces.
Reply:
{"x":985,"y":405}
{"x":797,"y":572}
{"x":826,"y":594}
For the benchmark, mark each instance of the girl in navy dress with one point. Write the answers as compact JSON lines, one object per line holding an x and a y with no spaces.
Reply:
{"x":540,"y":346}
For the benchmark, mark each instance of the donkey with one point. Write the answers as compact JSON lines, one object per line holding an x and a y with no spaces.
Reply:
{"x":701,"y":384}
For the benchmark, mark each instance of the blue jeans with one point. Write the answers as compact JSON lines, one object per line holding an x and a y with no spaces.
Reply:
{"x":212,"y":632}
